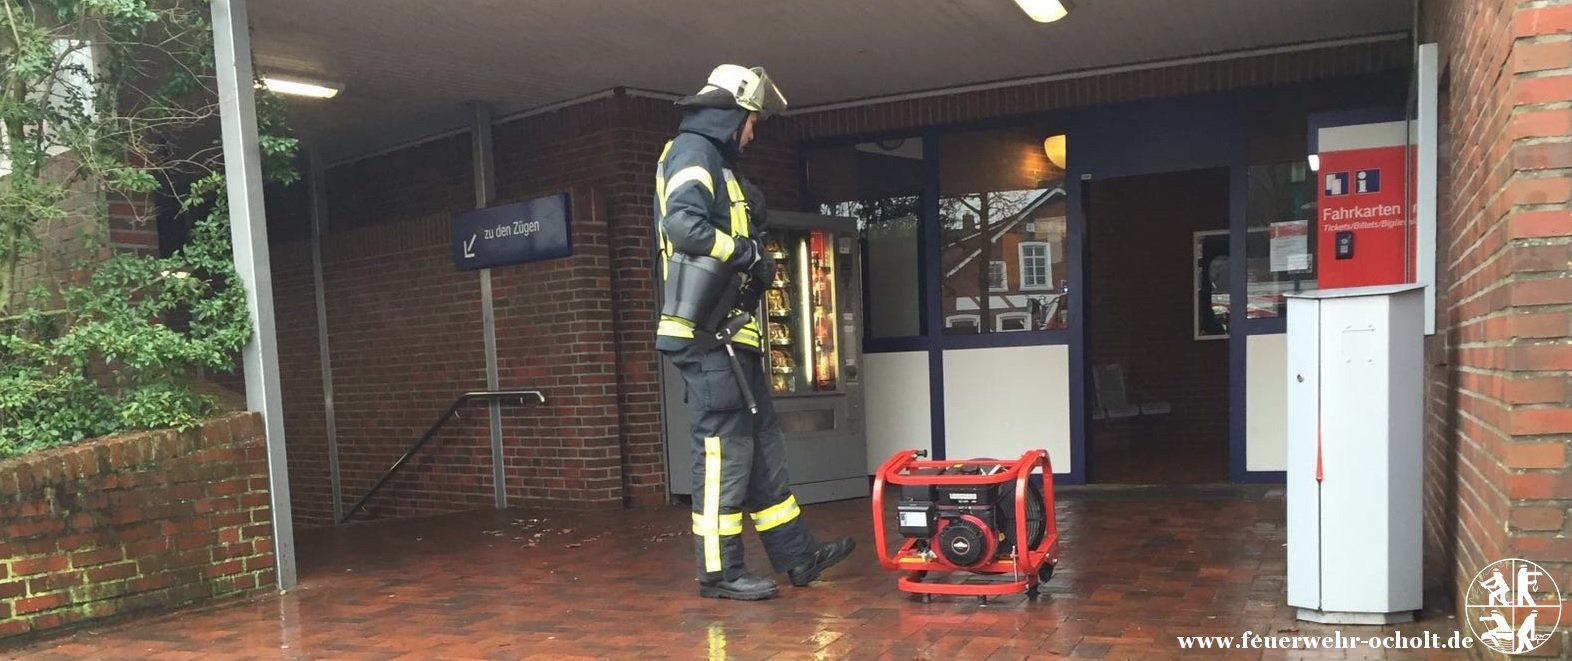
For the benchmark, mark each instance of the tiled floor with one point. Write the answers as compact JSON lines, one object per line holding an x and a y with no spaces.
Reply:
{"x":1137,"y":569}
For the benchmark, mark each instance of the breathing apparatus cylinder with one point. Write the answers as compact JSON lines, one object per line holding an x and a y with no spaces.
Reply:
{"x":700,"y":289}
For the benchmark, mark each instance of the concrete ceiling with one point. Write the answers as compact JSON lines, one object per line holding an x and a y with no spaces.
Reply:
{"x":408,"y":66}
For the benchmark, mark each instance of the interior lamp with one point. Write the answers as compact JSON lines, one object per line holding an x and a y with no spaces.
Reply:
{"x":1054,"y":147}
{"x":298,"y":87}
{"x":1045,"y":11}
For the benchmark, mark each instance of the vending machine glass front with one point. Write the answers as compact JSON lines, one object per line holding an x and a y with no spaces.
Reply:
{"x":801,"y":311}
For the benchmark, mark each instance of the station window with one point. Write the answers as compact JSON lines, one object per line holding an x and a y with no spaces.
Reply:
{"x":1002,"y":229}
{"x":1280,"y":242}
{"x":880,"y":185}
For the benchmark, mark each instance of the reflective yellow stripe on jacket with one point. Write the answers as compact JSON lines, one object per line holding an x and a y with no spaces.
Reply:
{"x":739,"y":204}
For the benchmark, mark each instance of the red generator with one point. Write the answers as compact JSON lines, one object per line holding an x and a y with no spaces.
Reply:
{"x":981,"y":516}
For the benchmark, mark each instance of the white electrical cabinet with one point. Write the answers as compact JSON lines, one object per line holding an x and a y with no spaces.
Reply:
{"x":1355,"y":454}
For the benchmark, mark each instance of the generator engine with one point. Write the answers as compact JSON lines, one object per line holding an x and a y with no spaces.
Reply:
{"x":967,"y":526}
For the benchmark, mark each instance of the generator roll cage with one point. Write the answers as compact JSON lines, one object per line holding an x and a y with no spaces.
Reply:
{"x":1028,"y":571}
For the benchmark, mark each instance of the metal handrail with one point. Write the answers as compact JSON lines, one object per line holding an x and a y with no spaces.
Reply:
{"x":489,"y":395}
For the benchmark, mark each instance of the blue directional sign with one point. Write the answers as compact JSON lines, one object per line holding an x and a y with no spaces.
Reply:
{"x":528,"y":231}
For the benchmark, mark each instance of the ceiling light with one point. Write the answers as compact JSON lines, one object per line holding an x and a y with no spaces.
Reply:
{"x":1054,"y":148}
{"x":1045,"y":11}
{"x":295,"y":87}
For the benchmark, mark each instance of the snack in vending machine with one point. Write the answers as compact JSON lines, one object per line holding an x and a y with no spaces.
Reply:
{"x":776,"y":299}
{"x":781,"y":360}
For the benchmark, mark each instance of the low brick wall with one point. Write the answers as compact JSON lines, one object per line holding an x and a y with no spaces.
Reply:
{"x":134,"y":523}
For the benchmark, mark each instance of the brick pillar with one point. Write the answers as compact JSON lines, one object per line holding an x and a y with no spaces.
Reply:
{"x":642,"y":127}
{"x":1500,"y":418}
{"x":1537,"y":287}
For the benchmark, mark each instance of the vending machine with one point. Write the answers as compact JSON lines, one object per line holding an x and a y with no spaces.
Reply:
{"x":811,"y":316}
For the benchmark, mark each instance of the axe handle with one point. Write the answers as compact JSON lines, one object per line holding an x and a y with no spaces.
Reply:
{"x":742,"y":380}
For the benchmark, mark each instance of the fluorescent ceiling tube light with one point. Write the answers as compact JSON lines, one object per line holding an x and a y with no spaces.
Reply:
{"x":294,"y":87}
{"x":1045,"y":11}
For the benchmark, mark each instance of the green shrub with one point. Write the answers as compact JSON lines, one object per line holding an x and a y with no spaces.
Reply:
{"x":118,"y":342}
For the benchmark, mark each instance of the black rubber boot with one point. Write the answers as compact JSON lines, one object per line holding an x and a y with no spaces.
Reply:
{"x":825,"y":557}
{"x":746,"y":588}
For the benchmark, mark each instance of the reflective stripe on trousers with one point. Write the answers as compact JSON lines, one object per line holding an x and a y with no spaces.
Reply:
{"x":776,"y":515}
{"x":712,"y":495}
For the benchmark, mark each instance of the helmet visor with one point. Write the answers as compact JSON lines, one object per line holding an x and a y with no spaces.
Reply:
{"x":765,"y":97}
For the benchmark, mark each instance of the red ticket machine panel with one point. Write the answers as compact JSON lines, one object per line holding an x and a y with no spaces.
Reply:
{"x":1364,"y":229}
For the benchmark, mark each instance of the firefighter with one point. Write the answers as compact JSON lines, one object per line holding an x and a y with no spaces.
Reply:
{"x":712,"y":259}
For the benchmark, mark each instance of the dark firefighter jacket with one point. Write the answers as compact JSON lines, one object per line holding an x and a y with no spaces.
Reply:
{"x":701,"y":209}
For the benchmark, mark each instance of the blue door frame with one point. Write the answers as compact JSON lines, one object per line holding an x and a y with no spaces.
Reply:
{"x":1152,"y":137}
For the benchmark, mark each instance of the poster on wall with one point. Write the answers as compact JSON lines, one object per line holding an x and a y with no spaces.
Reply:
{"x":1289,"y":243}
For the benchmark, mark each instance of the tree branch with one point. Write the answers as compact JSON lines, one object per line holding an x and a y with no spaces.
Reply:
{"x":11,"y":20}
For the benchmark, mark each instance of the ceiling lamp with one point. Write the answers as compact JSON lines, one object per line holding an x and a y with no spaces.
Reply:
{"x":1045,"y":11}
{"x":297,"y":87}
{"x":1055,"y":149}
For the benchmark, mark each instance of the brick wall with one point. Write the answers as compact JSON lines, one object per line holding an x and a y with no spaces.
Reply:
{"x":405,"y":333}
{"x":305,"y":415}
{"x":1498,"y":481}
{"x":133,"y":523}
{"x":555,"y":320}
{"x":641,"y":128}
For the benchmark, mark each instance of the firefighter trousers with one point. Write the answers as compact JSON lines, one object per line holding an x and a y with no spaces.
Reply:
{"x":739,"y":467}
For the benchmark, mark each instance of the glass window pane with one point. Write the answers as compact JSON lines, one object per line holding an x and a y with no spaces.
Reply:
{"x":880,"y":185}
{"x":1212,"y":304}
{"x":1279,"y":245}
{"x":1002,"y":230}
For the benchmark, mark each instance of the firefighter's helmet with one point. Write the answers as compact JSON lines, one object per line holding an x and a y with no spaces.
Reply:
{"x":733,"y":86}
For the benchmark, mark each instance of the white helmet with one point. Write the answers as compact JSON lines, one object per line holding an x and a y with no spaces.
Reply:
{"x":730,"y":85}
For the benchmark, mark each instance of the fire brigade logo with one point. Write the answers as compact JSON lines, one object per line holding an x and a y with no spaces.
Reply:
{"x":1513,"y":606}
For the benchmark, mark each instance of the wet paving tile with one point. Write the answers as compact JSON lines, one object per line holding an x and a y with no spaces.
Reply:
{"x":1136,"y":571}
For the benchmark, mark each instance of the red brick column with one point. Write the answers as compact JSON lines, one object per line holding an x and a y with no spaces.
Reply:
{"x":1499,"y":481}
